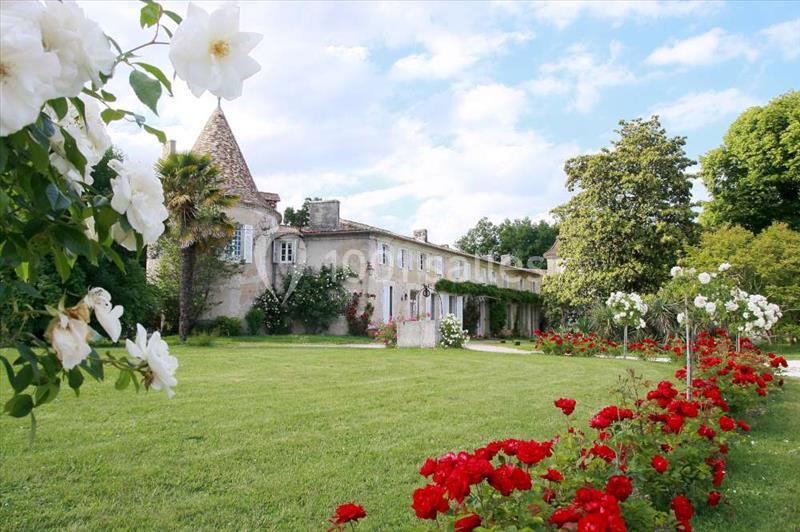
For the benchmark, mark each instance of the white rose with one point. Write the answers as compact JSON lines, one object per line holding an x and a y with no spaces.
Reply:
{"x":730,"y":306}
{"x":156,"y":353}
{"x":681,"y":317}
{"x":126,"y":239}
{"x":642,"y":324}
{"x":676,"y":271}
{"x":68,"y":336}
{"x":91,"y":138}
{"x":138,"y":194}
{"x":27,"y":71}
{"x":700,"y":301}
{"x":704,"y":278}
{"x":724,"y":267}
{"x":711,"y":308}
{"x":210,"y":53}
{"x":99,"y":300}
{"x":82,"y":48}
{"x":90,"y":231}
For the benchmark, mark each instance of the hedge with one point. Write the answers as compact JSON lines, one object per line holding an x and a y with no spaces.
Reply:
{"x":481,"y":289}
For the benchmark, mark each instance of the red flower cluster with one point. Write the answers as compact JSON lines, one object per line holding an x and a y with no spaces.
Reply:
{"x":591,"y":510}
{"x":566,"y":405}
{"x":348,"y":513}
{"x":609,"y":415}
{"x":468,"y":523}
{"x":683,"y":511}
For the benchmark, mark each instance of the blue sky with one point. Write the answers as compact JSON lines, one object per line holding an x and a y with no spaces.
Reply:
{"x":435,"y":114}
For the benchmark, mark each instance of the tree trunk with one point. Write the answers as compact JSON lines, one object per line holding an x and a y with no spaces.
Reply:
{"x":188,"y":256}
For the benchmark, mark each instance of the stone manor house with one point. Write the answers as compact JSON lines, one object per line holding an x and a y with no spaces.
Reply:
{"x":398,"y":269}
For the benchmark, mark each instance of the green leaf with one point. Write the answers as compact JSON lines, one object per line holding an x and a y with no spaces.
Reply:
{"x":156,"y":72}
{"x":72,"y":152}
{"x":174,"y":16}
{"x":47,"y":392}
{"x":62,"y":263}
{"x":147,"y":89}
{"x":58,"y":201}
{"x":110,"y":115}
{"x":72,"y":238}
{"x":107,"y":96}
{"x":23,"y":379}
{"x":115,"y":258}
{"x":123,"y":380}
{"x":75,"y":379}
{"x":19,"y":405}
{"x":149,"y":14}
{"x":9,"y":370}
{"x":79,"y":105}
{"x":26,"y":353}
{"x":60,"y":106}
{"x":23,"y":270}
{"x":160,"y":135}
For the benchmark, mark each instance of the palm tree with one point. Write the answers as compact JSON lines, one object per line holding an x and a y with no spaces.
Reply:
{"x":196,"y":199}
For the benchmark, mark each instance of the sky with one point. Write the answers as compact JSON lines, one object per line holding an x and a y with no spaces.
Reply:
{"x":433,"y":115}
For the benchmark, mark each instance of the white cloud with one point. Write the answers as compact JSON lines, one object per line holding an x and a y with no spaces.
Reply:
{"x":784,"y":37}
{"x":699,"y":109}
{"x":562,"y":13}
{"x":713,"y":46}
{"x":490,"y":105}
{"x":448,"y":55}
{"x":582,"y":75}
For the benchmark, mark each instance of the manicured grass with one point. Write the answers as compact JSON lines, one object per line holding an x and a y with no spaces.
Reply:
{"x":785,"y":350}
{"x":274,"y":437}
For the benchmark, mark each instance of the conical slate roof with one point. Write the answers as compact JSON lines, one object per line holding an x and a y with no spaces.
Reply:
{"x":217,"y":140}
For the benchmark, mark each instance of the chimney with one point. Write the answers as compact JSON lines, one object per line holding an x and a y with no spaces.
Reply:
{"x":421,"y":235}
{"x":323,"y":215}
{"x":168,"y":148}
{"x":506,"y":259}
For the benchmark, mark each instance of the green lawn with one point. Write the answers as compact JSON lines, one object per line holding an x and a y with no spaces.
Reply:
{"x":274,"y":437}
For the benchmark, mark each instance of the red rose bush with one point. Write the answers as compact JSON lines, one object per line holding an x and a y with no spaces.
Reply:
{"x":645,"y":463}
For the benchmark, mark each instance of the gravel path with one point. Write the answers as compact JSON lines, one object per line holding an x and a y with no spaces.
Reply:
{"x":794,"y":369}
{"x":497,"y":349}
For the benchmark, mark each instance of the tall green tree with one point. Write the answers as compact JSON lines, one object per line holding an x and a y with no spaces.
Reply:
{"x":483,"y":239}
{"x":298,"y":217}
{"x":526,"y":240}
{"x":196,"y":199}
{"x":754,"y":176}
{"x":630,"y":216}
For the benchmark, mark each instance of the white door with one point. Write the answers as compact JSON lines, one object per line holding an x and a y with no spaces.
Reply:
{"x":460,"y":309}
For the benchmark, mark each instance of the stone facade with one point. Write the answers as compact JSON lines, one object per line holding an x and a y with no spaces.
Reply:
{"x":399,"y":270}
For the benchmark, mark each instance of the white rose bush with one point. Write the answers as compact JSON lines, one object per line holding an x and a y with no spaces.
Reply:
{"x":55,"y":104}
{"x":451,"y":334}
{"x":628,"y":311}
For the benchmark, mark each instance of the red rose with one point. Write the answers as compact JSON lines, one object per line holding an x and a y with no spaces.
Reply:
{"x":428,"y":468}
{"x":553,"y":475}
{"x":714,"y":498}
{"x":719,"y":476}
{"x":743,"y":425}
{"x":620,"y":487}
{"x":659,"y":463}
{"x":566,"y":405}
{"x":508,"y":478}
{"x":706,"y":432}
{"x":674,"y":424}
{"x":726,"y":424}
{"x":429,"y":500}
{"x":348,"y":512}
{"x":603,"y":451}
{"x":457,"y":485}
{"x":562,"y":516}
{"x":532,"y":452}
{"x":468,"y":523}
{"x":682,"y":508}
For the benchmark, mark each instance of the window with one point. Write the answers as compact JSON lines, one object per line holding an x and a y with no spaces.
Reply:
{"x":492,"y":277}
{"x":383,"y":253}
{"x":233,"y":251}
{"x":422,"y":260}
{"x":403,"y":258}
{"x":286,"y":252}
{"x":521,"y":283}
{"x":467,"y":271}
{"x":438,"y":265}
{"x":458,"y":269}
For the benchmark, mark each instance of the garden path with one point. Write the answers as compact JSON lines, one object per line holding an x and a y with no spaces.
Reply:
{"x":794,"y":368}
{"x":497,"y":349}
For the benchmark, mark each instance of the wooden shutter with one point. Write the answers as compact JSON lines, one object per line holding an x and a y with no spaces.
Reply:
{"x":247,"y":243}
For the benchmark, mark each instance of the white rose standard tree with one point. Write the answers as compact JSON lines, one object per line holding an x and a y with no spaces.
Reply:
{"x":55,"y":103}
{"x":629,"y":311}
{"x":698,"y":300}
{"x":750,"y":314}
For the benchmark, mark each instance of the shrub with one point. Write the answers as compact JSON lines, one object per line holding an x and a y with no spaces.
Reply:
{"x":200,"y":340}
{"x":387,"y":333}
{"x":276,"y":318}
{"x":452,"y":335}
{"x":357,"y":323}
{"x":255,"y":320}
{"x":227,"y":326}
